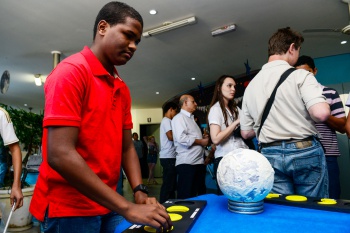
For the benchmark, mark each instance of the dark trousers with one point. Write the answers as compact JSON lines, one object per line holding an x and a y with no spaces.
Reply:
{"x":216,"y":165}
{"x":168,"y":188}
{"x":191,"y":180}
{"x":333,"y":177}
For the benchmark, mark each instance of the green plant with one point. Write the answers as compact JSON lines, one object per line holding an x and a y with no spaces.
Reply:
{"x":28,"y":127}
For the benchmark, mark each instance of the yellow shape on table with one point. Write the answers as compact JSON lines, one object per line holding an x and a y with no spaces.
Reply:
{"x":327,"y":201}
{"x":151,"y":229}
{"x":178,"y":208}
{"x":175,"y":217}
{"x":296,"y":198}
{"x":272,"y":195}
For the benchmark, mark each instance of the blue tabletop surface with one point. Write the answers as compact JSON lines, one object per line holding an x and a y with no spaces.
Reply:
{"x":275,"y":218}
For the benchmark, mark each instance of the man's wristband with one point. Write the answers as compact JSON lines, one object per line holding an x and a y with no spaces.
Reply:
{"x":141,"y":187}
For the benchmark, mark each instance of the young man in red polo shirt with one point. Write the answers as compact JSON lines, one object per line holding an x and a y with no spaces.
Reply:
{"x":87,"y":136}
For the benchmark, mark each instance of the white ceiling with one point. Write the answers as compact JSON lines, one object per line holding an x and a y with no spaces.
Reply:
{"x":31,"y":29}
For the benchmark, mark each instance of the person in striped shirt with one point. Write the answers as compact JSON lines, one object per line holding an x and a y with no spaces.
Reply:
{"x":327,"y":129}
{"x":347,"y":125}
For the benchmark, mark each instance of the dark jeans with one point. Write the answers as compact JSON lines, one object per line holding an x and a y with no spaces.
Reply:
{"x":191,"y":180}
{"x":87,"y":224}
{"x":168,"y":188}
{"x":333,"y":177}
{"x":216,"y":165}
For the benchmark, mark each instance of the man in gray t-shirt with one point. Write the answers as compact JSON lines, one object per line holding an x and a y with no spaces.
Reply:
{"x":138,"y":145}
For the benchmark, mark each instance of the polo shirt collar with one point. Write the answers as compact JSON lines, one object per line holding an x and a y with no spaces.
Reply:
{"x":188,"y":114}
{"x":96,"y":66}
{"x":275,"y":63}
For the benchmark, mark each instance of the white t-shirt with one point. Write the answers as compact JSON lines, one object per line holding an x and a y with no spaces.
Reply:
{"x":167,"y":149}
{"x":231,"y":143}
{"x":7,"y":131}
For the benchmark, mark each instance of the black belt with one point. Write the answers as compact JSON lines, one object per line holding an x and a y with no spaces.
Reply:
{"x":299,"y":143}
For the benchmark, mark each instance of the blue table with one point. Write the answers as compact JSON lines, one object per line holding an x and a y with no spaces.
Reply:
{"x":276,"y":218}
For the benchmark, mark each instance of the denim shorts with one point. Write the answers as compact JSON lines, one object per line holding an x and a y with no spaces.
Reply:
{"x":91,"y":224}
{"x":298,"y":171}
{"x":152,"y":158}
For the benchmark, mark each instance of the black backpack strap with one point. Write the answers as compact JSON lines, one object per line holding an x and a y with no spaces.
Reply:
{"x":272,"y":98}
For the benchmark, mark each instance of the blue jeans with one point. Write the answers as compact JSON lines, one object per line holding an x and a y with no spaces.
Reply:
{"x":94,"y":224}
{"x":333,"y":177}
{"x":298,"y":171}
{"x":3,"y":170}
{"x":168,"y":188}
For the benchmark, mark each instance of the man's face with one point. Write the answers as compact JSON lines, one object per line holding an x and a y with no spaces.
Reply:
{"x":135,"y":136}
{"x":120,"y":41}
{"x":190,"y":104}
{"x":306,"y":67}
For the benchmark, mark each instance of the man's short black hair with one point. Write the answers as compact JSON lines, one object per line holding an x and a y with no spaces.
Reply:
{"x":116,"y":12}
{"x":305,"y":60}
{"x":169,"y":105}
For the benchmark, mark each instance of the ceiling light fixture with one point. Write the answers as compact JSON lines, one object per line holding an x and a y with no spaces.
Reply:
{"x":224,"y":29}
{"x":343,"y":42}
{"x":37,"y":79}
{"x":170,"y":26}
{"x":193,"y":78}
{"x":153,"y":12}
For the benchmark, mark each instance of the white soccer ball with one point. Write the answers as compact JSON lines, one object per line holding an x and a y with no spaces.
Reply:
{"x":245,"y":175}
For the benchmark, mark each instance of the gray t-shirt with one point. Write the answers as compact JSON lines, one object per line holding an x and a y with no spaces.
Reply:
{"x":138,"y":147}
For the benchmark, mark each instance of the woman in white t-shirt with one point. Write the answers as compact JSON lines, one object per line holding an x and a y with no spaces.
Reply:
{"x":223,"y":119}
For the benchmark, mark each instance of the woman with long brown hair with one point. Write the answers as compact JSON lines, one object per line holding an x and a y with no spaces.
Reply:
{"x":223,"y":119}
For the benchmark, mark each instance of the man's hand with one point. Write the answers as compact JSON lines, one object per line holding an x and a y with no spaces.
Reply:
{"x":149,"y":212}
{"x":16,"y":196}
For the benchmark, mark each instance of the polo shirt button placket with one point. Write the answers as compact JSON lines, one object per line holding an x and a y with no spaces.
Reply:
{"x":114,"y":103}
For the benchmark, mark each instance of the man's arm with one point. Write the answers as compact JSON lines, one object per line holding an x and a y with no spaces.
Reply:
{"x":320,"y":112}
{"x":16,"y":191}
{"x":338,"y":124}
{"x":347,"y":126}
{"x":131,"y":167}
{"x":169,"y":135}
{"x":247,"y":134}
{"x":63,"y":158}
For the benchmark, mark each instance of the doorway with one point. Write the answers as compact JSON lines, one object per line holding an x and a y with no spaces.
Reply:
{"x":148,"y":130}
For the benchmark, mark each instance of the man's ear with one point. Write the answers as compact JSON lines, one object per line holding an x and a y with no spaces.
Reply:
{"x":315,"y":71}
{"x":102,"y":27}
{"x":291,"y":48}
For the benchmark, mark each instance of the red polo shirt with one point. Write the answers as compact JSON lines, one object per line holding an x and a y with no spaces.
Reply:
{"x":79,"y":92}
